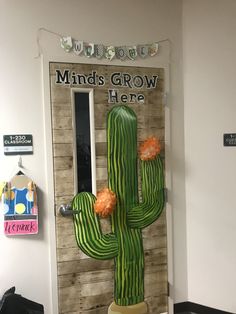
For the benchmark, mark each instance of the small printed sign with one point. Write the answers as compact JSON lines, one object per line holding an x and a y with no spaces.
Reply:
{"x":230,"y":139}
{"x":20,"y":144}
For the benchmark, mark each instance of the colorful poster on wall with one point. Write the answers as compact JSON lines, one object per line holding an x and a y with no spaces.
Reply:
{"x":20,"y":206}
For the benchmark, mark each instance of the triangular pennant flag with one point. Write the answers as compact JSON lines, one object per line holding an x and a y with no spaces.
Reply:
{"x":66,"y":43}
{"x":132,"y":52}
{"x":121,"y":52}
{"x":78,"y":46}
{"x":110,"y":52}
{"x":89,"y":49}
{"x":153,"y":49}
{"x":99,"y":51}
{"x":142,"y":51}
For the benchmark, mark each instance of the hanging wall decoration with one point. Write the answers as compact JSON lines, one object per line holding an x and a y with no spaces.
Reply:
{"x":107,"y":51}
{"x":99,"y":51}
{"x":78,"y":47}
{"x":66,"y":43}
{"x":20,"y":208}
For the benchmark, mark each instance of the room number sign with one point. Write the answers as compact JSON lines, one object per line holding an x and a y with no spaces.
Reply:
{"x":19,"y":144}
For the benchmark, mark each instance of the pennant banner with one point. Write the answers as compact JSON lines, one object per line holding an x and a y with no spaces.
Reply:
{"x":66,"y":43}
{"x":89,"y":50}
{"x":100,"y":51}
{"x":121,"y":53}
{"x":78,"y":47}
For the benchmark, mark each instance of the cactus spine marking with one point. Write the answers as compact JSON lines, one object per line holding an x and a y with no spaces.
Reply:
{"x":124,"y":244}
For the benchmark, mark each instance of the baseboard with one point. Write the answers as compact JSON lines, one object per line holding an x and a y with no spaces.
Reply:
{"x":196,"y":309}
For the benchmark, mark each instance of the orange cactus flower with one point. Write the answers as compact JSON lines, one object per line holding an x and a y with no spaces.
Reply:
{"x":105,"y":203}
{"x":149,"y":149}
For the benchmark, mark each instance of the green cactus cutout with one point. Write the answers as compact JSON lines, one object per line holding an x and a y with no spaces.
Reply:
{"x":124,"y":243}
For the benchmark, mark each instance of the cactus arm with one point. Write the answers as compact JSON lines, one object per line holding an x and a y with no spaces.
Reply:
{"x":88,"y":233}
{"x":153,"y":201}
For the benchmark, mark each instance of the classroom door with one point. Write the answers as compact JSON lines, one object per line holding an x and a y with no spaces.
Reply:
{"x":81,"y":96}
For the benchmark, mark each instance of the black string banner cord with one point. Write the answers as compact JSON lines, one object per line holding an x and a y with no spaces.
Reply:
{"x":99,"y":51}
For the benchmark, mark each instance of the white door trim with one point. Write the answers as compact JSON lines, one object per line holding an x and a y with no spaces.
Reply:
{"x":49,"y":199}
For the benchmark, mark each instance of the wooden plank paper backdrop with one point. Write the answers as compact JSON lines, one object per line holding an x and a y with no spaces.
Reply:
{"x":85,"y":285}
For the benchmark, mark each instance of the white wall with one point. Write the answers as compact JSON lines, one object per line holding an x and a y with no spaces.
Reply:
{"x":25,"y":261}
{"x":210,"y":111}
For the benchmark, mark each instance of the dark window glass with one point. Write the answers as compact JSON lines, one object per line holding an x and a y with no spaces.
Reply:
{"x":83,"y":144}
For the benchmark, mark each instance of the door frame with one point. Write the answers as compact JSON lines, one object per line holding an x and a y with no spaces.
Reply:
{"x":48,"y":153}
